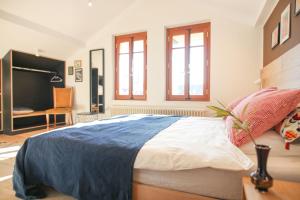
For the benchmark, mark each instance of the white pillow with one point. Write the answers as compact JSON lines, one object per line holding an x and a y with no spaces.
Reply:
{"x":273,"y":139}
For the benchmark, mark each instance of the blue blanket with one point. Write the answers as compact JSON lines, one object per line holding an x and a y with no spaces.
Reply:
{"x":91,"y":162}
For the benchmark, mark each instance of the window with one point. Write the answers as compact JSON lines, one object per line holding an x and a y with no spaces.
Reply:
{"x":188,"y":63}
{"x":130,"y":66}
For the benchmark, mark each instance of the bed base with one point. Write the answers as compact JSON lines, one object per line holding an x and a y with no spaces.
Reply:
{"x":147,"y":192}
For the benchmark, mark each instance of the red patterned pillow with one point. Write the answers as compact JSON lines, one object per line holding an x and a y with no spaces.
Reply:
{"x":264,"y":111}
{"x":236,"y":102}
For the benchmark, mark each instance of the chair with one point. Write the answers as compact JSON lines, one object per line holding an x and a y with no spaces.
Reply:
{"x":63,"y":102}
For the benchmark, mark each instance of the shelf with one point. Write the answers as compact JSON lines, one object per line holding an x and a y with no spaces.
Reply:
{"x":38,"y":126}
{"x":36,"y":113}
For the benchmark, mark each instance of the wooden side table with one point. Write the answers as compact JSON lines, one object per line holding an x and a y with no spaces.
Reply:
{"x":281,"y":190}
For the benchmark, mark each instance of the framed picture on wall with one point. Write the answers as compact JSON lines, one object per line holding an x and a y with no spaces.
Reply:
{"x":70,"y":70}
{"x":285,"y":23}
{"x":297,"y":7}
{"x":78,"y":75}
{"x":77,"y":63}
{"x":275,"y":36}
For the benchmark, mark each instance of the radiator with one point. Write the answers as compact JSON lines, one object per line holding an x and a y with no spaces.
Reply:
{"x":121,"y":110}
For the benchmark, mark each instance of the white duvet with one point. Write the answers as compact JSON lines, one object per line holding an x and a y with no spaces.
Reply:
{"x":189,"y":143}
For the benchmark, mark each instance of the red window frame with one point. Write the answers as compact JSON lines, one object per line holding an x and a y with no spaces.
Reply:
{"x":130,"y":38}
{"x":187,"y":30}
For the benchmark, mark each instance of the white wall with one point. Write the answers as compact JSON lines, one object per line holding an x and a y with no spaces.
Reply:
{"x":234,"y":51}
{"x":13,"y":36}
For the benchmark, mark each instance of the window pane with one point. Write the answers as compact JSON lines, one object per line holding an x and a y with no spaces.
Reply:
{"x":196,"y":39}
{"x":124,"y":74}
{"x":178,"y":60}
{"x":196,"y":70}
{"x":138,"y":46}
{"x":178,"y":41}
{"x":124,"y":47}
{"x":138,"y":73}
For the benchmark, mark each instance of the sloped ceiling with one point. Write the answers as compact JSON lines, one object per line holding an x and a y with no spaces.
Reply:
{"x":65,"y":24}
{"x":60,"y":27}
{"x":247,"y":10}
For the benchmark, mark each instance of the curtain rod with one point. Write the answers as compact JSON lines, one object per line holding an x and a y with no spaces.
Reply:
{"x":34,"y":70}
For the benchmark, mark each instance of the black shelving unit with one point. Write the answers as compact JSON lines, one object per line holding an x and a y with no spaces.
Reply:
{"x":24,"y":86}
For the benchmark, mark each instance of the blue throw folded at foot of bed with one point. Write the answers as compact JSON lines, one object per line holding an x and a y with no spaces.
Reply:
{"x":90,"y":162}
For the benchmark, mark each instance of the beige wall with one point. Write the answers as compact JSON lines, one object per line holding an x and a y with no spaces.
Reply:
{"x":14,"y":36}
{"x":235,"y":55}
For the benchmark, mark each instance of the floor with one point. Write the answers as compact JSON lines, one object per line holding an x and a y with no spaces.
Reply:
{"x":9,"y":145}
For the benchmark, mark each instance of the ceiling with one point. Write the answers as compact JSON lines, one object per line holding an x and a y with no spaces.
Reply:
{"x":73,"y":18}
{"x":74,"y":22}
{"x":249,"y":10}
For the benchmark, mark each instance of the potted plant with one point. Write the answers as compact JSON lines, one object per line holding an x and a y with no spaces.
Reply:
{"x":260,"y":178}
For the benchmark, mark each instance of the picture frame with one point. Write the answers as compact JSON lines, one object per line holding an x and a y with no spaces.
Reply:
{"x":297,"y":7}
{"x":285,"y":24}
{"x":70,"y":70}
{"x":275,"y":36}
{"x":79,"y":75}
{"x":77,"y":63}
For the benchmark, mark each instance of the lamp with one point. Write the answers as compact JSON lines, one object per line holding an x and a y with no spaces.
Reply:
{"x":90,"y":4}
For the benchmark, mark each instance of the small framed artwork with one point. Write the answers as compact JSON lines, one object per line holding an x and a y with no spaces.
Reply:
{"x":275,"y":36}
{"x":285,"y":22}
{"x":70,"y":70}
{"x":297,"y":7}
{"x":78,"y":75}
{"x":77,"y":63}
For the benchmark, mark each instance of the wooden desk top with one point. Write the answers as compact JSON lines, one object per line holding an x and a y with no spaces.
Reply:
{"x":281,"y":190}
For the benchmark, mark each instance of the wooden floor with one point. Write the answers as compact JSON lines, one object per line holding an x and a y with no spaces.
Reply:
{"x":9,"y":145}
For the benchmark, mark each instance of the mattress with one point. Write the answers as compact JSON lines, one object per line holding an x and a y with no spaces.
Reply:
{"x":227,"y":184}
{"x":208,"y":182}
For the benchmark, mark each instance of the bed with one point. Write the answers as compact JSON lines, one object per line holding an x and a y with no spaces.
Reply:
{"x":96,"y":160}
{"x":170,"y":164}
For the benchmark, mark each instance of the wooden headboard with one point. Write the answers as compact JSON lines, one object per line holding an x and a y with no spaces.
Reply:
{"x":283,"y":72}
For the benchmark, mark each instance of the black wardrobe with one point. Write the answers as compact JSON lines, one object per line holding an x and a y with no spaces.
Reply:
{"x":28,"y":81}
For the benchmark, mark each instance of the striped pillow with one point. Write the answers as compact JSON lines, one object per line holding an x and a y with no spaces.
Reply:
{"x":236,"y":102}
{"x":264,"y":111}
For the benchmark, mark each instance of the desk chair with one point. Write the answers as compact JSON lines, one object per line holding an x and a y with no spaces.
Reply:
{"x":63,"y":102}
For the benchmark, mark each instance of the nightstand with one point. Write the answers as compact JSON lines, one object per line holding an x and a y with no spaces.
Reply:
{"x":281,"y":190}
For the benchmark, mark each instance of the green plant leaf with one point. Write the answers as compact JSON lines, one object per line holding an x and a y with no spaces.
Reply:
{"x":244,"y":110}
{"x":245,"y":126}
{"x":219,"y":111}
{"x":238,"y":124}
{"x":221,"y":104}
